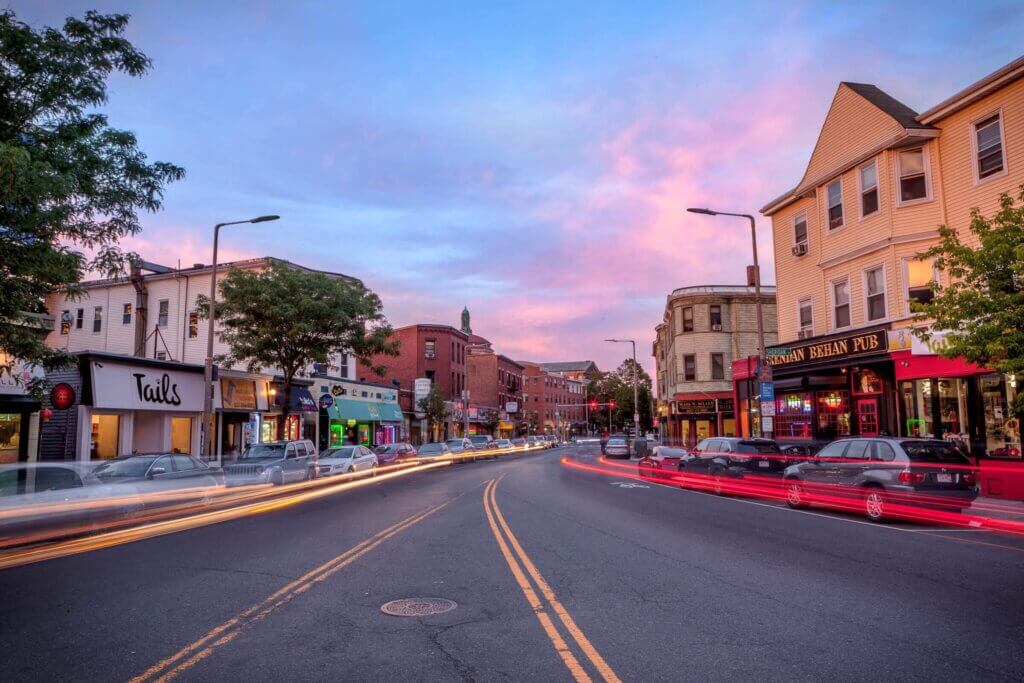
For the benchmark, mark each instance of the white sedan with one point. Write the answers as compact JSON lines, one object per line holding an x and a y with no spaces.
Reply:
{"x":346,"y":459}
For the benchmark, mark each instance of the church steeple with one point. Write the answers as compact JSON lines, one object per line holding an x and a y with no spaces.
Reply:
{"x":465,"y":321}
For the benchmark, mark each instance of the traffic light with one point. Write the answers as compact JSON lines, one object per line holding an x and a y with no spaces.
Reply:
{"x":611,"y":404}
{"x":593,"y":405}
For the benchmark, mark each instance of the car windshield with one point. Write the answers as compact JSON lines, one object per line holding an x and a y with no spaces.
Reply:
{"x":381,"y":450}
{"x":616,"y":442}
{"x":129,"y":467}
{"x":478,"y":439}
{"x":749,"y":447}
{"x":933,"y":451}
{"x":264,"y":451}
{"x":339,"y":453}
{"x":454,"y":442}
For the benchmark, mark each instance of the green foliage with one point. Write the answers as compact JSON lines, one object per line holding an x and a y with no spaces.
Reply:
{"x":434,"y":407}
{"x":68,"y":182}
{"x":618,"y":386}
{"x":287,"y":318}
{"x":981,"y":309}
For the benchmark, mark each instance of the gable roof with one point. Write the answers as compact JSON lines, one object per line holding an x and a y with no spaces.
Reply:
{"x":904,"y":115}
{"x":570,"y":366}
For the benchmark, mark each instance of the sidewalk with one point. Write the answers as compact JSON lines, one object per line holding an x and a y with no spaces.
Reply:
{"x":997,"y":508}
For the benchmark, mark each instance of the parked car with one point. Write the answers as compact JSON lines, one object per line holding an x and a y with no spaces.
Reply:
{"x":347,"y":459}
{"x":552,"y":441}
{"x":503,"y":444}
{"x":519,"y":442}
{"x":605,"y":438}
{"x":395,"y":453}
{"x":733,"y":457}
{"x":875,"y":473}
{"x":485,"y":443}
{"x":533,"y":441}
{"x":274,"y":462}
{"x":437,"y":449}
{"x":462,"y":448}
{"x":662,"y":461}
{"x":159,"y":471}
{"x":617,"y":447}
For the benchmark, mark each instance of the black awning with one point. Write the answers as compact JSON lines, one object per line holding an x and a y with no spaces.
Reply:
{"x":301,"y":401}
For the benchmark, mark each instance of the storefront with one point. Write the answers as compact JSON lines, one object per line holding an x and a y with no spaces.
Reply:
{"x":242,"y":402}
{"x":699,"y":416}
{"x":19,"y":413}
{"x":352,"y":412}
{"x":826,"y":388}
{"x":136,"y":405}
{"x":302,"y":412}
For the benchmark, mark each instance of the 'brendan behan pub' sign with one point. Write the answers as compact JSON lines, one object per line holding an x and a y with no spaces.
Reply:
{"x":836,"y":349}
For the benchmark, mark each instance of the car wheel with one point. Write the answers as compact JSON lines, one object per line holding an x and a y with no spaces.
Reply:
{"x":716,"y":483}
{"x":795,"y":497}
{"x":874,"y":504}
{"x":373,"y":470}
{"x":277,"y":478}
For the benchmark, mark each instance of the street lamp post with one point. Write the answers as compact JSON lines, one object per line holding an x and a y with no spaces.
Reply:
{"x":757,"y":283}
{"x":208,"y":374}
{"x":636,"y":404}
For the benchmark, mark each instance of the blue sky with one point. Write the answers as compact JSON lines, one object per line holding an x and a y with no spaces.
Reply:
{"x":530,"y":160}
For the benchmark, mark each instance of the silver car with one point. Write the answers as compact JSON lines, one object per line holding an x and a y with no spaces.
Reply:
{"x":274,"y":462}
{"x":617,"y":447}
{"x":346,"y":459}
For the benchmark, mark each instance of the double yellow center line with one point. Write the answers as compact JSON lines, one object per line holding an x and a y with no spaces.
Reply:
{"x":218,"y":637}
{"x":517,"y":561}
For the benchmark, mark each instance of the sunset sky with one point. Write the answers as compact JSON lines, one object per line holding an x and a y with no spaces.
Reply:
{"x":531,"y":163}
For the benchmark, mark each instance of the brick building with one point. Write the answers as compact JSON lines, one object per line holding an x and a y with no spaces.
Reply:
{"x":546,"y":400}
{"x":703,"y":330}
{"x":495,"y":381}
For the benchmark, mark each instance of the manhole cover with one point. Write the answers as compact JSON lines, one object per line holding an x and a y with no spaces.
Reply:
{"x":417,"y":607}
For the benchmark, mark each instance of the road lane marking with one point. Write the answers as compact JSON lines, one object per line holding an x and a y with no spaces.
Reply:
{"x":582,"y":641}
{"x":629,"y":485}
{"x":200,"y":649}
{"x":568,"y":658}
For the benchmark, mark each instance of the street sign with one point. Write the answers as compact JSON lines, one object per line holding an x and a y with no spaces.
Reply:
{"x":767,"y":408}
{"x":767,"y":423}
{"x":767,"y":391}
{"x":778,"y":351}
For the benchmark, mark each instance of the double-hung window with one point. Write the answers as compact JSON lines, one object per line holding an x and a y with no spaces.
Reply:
{"x":688,"y":319}
{"x":913,"y":176}
{"x":126,"y":314}
{"x":162,"y":311}
{"x":835,"y":205}
{"x":689,"y":368}
{"x":868,"y":189}
{"x":920,"y":279}
{"x":715,"y":316}
{"x":988,"y":135}
{"x":800,"y":229}
{"x":841,"y":303}
{"x":874,"y":293}
{"x":97,"y":319}
{"x":717,"y":366}
{"x":805,"y":317}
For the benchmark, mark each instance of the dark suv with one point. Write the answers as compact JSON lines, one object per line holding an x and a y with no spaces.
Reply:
{"x":727,"y":456}
{"x":874,"y":474}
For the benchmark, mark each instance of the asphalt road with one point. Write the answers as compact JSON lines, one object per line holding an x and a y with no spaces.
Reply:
{"x":639,"y":583}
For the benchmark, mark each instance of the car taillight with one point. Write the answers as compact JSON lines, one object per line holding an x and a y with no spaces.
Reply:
{"x":908,"y":477}
{"x":969,"y":478}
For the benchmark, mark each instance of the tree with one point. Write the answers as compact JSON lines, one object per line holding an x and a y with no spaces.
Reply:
{"x":618,"y":386}
{"x":981,"y":310}
{"x":434,"y":407}
{"x":68,"y":181}
{"x":287,"y":318}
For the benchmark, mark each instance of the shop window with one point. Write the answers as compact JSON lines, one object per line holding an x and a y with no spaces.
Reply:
{"x":79,"y":318}
{"x":1002,"y":432}
{"x":10,"y":436}
{"x":104,"y":438}
{"x":97,"y":319}
{"x":126,"y":314}
{"x":841,"y":303}
{"x":920,"y":280}
{"x":874,"y":292}
{"x":181,"y":434}
{"x":917,"y":408}
{"x":953,"y":409}
{"x":988,"y":140}
{"x":913,"y":176}
{"x":717,"y":366}
{"x":867,"y":382}
{"x":193,"y":324}
{"x":868,"y":189}
{"x":835,"y":205}
{"x":163,"y":308}
{"x":690,"y":368}
{"x":793,"y":416}
{"x":833,"y":414}
{"x":688,"y":319}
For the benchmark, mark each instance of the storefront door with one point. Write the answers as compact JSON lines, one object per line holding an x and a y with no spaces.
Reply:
{"x":867,"y":416}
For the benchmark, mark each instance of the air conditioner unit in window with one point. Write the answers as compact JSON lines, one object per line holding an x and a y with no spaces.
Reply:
{"x":716,"y":327}
{"x":803,"y":334}
{"x":800,"y":249}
